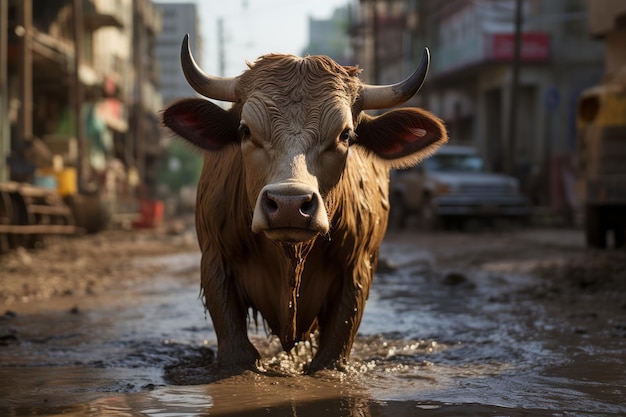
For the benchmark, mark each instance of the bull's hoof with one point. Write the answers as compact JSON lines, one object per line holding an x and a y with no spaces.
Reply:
{"x":191,"y":369}
{"x":221,"y":371}
{"x":319,"y":364}
{"x":232,"y":362}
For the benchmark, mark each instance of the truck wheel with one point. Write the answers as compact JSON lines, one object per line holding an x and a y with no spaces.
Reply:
{"x":89,"y":211}
{"x":595,"y":227}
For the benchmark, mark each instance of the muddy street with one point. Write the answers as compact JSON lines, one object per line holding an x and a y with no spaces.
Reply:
{"x":498,"y":323}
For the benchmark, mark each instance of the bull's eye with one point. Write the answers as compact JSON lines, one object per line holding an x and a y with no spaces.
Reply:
{"x":244,"y":131}
{"x":347,"y":136}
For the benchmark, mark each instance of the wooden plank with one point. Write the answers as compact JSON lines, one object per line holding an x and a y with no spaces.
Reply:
{"x":38,"y":229}
{"x":53,"y":210}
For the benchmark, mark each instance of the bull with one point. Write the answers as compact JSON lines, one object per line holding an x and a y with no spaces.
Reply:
{"x":292,"y":202}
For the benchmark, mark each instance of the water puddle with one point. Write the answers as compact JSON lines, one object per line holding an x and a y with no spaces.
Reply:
{"x":432,"y":343}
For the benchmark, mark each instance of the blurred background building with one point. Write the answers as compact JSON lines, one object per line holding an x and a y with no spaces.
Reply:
{"x":85,"y":80}
{"x":507,"y":77}
{"x":330,"y":37}
{"x":82,"y":83}
{"x":518,"y":106}
{"x":178,"y":19}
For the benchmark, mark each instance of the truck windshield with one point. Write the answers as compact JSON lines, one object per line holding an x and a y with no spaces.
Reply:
{"x":455,"y":163}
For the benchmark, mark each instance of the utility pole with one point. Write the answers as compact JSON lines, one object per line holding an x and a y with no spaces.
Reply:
{"x":25,"y":118}
{"x":515,"y":70}
{"x":5,"y":138}
{"x":137,"y":144}
{"x":221,"y":47}
{"x":77,"y":97}
{"x":376,"y":57}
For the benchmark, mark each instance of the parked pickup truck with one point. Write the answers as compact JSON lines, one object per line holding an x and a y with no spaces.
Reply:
{"x":453,"y":186}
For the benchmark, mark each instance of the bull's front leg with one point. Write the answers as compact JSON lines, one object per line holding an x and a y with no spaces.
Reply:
{"x":340,"y":324}
{"x":235,"y":352}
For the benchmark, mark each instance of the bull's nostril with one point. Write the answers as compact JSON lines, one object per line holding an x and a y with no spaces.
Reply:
{"x":308,"y":207}
{"x":269,"y":203}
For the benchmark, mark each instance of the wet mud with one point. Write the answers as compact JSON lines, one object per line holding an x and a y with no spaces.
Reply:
{"x":495,"y":323}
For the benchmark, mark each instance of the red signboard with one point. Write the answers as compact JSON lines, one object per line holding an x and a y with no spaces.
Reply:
{"x":535,"y":47}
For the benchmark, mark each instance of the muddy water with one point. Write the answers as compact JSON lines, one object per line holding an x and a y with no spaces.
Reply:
{"x":432,"y":343}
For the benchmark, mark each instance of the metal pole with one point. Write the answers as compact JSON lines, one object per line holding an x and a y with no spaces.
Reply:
{"x":376,"y":70}
{"x":25,"y":119}
{"x":138,"y":139}
{"x":5,"y":138}
{"x":512,"y":145}
{"x":221,"y":48}
{"x":78,"y":94}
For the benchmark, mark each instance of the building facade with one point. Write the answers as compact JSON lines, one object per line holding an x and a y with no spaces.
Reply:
{"x":607,"y":22}
{"x":178,"y":19}
{"x":81,"y":80}
{"x":330,"y":37}
{"x":475,"y":83}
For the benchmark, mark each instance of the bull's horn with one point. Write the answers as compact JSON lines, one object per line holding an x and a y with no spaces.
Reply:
{"x":210,"y":86}
{"x":386,"y":96}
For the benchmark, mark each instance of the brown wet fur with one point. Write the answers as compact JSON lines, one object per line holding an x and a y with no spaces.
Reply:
{"x":244,"y":269}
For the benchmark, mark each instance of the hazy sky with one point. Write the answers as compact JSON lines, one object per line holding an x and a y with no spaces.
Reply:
{"x":256,"y":27}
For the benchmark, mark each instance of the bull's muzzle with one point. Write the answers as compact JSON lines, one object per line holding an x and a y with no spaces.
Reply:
{"x":290,"y":213}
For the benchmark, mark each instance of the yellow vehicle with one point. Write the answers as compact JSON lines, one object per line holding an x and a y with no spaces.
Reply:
{"x":601,"y":156}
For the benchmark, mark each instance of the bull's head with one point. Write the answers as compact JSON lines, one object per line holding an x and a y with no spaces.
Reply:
{"x":295,"y":120}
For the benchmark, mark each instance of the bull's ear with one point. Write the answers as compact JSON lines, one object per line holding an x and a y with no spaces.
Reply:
{"x":401,"y":137}
{"x":202,"y":123}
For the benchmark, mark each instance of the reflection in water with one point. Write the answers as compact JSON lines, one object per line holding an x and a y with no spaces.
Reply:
{"x":187,"y":401}
{"x":253,"y":395}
